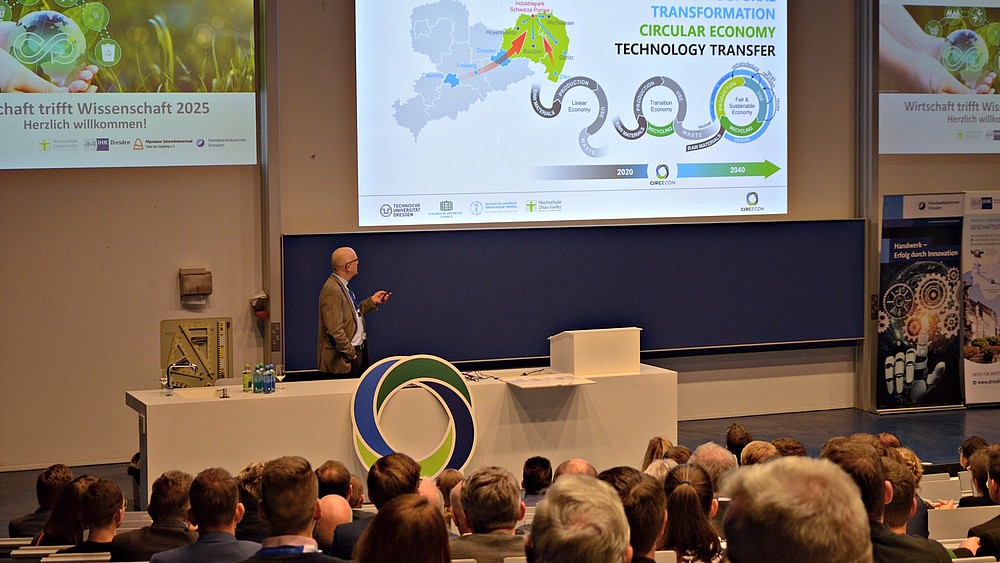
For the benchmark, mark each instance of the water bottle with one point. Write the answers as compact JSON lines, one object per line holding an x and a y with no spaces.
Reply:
{"x":270,"y":378}
{"x":247,"y":379}
{"x":258,"y":379}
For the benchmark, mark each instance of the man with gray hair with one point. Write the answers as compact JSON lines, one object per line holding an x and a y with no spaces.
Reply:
{"x":491,"y":503}
{"x":581,"y":519}
{"x":796,"y":509}
{"x":717,"y":462}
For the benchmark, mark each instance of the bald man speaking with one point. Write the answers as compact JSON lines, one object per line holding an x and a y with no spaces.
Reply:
{"x":342,"y":349}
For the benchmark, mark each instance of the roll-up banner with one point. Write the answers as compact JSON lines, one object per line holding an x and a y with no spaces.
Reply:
{"x":981,"y":281}
{"x":920,"y":302}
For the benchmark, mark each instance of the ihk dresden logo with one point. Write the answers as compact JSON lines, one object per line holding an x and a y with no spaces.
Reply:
{"x":385,"y":210}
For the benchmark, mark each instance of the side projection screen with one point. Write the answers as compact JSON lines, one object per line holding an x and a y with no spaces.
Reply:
{"x":127,"y":83}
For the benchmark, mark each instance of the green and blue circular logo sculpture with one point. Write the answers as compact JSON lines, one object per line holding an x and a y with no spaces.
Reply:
{"x":384,"y":379}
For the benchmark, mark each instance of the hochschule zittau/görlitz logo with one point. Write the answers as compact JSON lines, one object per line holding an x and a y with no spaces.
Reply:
{"x":387,"y":377}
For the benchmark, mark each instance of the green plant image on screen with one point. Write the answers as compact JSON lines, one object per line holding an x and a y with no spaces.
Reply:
{"x":149,"y":46}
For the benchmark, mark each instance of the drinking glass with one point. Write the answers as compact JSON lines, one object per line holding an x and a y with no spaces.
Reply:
{"x":279,"y":374}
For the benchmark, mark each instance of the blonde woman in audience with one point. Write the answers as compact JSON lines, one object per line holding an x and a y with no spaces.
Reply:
{"x":690,"y":508}
{"x":407,"y":528}
{"x":656,"y":449}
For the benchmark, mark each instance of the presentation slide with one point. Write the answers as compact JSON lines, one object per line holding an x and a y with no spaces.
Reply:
{"x":112,"y":83}
{"x":552,"y":110}
{"x":937,"y":70}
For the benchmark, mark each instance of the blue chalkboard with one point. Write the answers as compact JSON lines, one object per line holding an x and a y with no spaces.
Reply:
{"x":498,"y":294}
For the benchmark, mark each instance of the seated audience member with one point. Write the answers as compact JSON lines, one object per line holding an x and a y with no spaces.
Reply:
{"x":656,"y":449}
{"x":102,"y":509}
{"x":714,"y":459}
{"x":335,"y":511}
{"x":621,"y":478}
{"x":758,"y":452}
{"x":691,"y":506}
{"x":491,"y":501}
{"x":581,"y":519}
{"x":737,"y":437}
{"x":859,"y":458}
{"x":992,"y":489}
{"x":916,"y":525}
{"x":458,"y":513}
{"x":870,"y":439}
{"x":717,"y":461}
{"x":795,"y":509}
{"x":168,"y":507}
{"x":889,"y":440}
{"x":48,"y":486}
{"x":979,"y":467}
{"x":389,"y":477}
{"x":680,"y":454}
{"x":904,"y":503}
{"x":429,"y":490}
{"x":659,"y":468}
{"x":334,"y":479}
{"x":646,"y":511}
{"x":215,"y":509}
{"x":358,"y":493}
{"x":536,"y":476}
{"x":989,"y":532}
{"x":64,"y":526}
{"x":789,"y":446}
{"x":969,"y":447}
{"x":445,"y":482}
{"x":575,"y":466}
{"x":251,"y":527}
{"x":406,"y":528}
{"x":290,"y":506}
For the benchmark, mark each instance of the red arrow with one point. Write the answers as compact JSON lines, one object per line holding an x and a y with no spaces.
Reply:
{"x":548,"y":49}
{"x":515,"y":47}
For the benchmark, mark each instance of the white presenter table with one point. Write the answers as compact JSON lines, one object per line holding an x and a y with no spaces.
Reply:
{"x":608,"y":423}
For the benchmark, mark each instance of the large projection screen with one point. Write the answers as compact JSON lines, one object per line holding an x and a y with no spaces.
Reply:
{"x":487,"y":112}
{"x":937,"y":67}
{"x":319,"y":102}
{"x":121,"y":83}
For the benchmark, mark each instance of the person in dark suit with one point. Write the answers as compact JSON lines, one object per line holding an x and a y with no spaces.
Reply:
{"x":904,"y":504}
{"x":862,"y":462}
{"x":646,"y":510}
{"x":581,"y":519}
{"x":102,"y":509}
{"x":342,"y":347}
{"x":290,"y":506}
{"x":168,"y":505}
{"x":407,"y":528}
{"x":251,"y":527}
{"x":536,"y":476}
{"x":491,"y":500}
{"x":795,"y":509}
{"x":48,"y":486}
{"x":389,"y":477}
{"x":215,"y":509}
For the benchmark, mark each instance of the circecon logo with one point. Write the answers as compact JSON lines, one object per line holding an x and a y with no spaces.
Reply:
{"x":384,"y":379}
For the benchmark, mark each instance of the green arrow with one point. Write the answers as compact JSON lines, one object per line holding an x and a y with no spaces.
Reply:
{"x":727,"y":169}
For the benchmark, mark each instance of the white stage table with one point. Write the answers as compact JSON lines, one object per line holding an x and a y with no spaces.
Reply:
{"x":607,"y":423}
